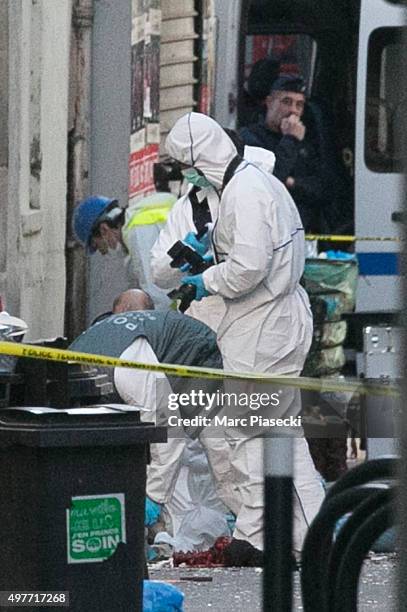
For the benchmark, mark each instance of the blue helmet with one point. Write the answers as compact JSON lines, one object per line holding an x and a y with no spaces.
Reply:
{"x":86,"y":215}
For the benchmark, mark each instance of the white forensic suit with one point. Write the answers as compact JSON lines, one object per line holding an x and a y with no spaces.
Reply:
{"x":143,"y":223}
{"x":180,"y":221}
{"x":258,"y":241}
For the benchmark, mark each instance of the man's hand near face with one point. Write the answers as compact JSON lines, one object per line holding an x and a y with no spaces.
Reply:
{"x":293,"y":126}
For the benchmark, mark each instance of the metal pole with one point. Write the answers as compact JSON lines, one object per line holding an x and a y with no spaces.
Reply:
{"x":402,"y":505}
{"x":278,"y":524}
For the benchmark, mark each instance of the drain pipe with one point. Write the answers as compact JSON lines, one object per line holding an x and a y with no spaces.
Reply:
{"x":78,"y":162}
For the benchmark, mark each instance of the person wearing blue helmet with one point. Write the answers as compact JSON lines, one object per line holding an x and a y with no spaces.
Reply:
{"x":94,"y":222}
{"x":101,"y":224}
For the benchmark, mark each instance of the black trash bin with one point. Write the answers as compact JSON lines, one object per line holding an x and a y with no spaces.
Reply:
{"x":72,"y":505}
{"x":7,"y":379}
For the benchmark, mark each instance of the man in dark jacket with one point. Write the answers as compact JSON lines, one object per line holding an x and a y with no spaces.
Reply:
{"x":298,"y":163}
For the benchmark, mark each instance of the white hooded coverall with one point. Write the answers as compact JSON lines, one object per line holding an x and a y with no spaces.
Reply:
{"x":180,"y":221}
{"x":259,"y":247}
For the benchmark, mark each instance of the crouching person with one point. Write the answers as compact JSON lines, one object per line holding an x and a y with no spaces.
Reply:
{"x":155,"y":337}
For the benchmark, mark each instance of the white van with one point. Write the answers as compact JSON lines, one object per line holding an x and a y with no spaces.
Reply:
{"x":349,"y":53}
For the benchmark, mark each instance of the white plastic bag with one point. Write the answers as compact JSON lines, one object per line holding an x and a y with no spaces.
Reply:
{"x":197,"y":514}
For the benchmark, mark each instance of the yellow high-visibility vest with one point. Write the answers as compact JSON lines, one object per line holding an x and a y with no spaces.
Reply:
{"x":150,"y":210}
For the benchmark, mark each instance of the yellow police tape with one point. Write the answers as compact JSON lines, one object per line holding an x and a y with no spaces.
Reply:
{"x":345,"y":238}
{"x":308,"y":384}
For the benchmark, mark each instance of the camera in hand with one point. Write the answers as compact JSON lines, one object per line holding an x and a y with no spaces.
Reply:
{"x":182,"y":254}
{"x":185,"y":294}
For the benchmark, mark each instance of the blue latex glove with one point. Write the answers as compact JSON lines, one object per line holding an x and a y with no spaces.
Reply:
{"x":231,"y":521}
{"x":208,"y":258}
{"x":200,"y":246}
{"x":196,"y":280}
{"x":152,"y":512}
{"x":185,"y":268}
{"x":340,"y":255}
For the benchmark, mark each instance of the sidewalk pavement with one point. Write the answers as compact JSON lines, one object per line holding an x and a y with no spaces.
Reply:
{"x":239,"y":589}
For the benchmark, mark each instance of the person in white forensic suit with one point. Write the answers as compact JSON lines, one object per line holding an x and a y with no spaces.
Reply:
{"x":191,"y":213}
{"x":258,"y":242}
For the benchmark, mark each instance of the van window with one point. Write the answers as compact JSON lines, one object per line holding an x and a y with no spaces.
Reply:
{"x":385,"y":105}
{"x":295,"y":52}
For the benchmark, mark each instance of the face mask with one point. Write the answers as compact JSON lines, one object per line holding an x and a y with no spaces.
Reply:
{"x":192,"y":175}
{"x":119,"y":249}
{"x":99,"y":244}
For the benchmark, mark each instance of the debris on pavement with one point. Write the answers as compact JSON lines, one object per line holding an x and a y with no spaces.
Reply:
{"x":208,"y":558}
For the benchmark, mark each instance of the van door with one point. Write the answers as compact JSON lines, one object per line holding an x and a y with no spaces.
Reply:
{"x":379,"y":183}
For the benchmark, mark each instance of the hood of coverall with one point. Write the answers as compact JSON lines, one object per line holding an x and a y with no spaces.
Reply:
{"x":260,"y":157}
{"x":197,"y":140}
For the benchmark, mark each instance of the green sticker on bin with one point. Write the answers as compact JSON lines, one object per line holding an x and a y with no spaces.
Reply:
{"x":95,"y":525}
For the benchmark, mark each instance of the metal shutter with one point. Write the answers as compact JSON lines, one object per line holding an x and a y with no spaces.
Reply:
{"x":176,"y":62}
